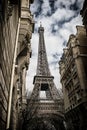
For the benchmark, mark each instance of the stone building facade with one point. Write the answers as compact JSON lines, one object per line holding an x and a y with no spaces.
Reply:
{"x":83,"y":12}
{"x":16,"y":27}
{"x":73,"y":71}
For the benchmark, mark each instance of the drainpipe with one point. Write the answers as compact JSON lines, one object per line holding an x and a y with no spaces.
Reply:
{"x":12,"y":79}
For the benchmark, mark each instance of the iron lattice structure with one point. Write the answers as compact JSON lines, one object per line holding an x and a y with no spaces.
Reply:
{"x":43,"y":81}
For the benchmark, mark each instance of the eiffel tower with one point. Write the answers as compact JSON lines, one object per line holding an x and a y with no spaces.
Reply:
{"x":52,"y":105}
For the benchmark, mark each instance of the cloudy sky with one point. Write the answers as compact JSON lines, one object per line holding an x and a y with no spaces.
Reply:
{"x":59,"y":19}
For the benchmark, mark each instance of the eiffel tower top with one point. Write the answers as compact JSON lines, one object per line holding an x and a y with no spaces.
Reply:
{"x":42,"y":65}
{"x":40,"y":24}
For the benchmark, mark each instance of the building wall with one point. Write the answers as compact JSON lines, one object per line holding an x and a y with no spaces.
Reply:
{"x":8,"y":26}
{"x":74,"y":75}
{"x":83,"y":12}
{"x":23,"y":58}
{"x":10,"y":12}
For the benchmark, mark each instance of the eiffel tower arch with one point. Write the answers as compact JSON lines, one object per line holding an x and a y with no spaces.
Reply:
{"x":44,"y":113}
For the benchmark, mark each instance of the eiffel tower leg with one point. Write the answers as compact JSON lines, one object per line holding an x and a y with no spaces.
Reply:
{"x":36,"y":92}
{"x":48,"y":94}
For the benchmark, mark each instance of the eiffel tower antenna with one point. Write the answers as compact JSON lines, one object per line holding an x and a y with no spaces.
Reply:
{"x":40,"y":24}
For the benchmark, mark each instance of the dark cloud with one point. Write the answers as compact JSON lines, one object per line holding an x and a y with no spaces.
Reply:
{"x":70,"y":4}
{"x":61,"y":22}
{"x":75,"y":6}
{"x":65,"y":20}
{"x":36,"y":8}
{"x":48,"y":14}
{"x":64,"y":43}
{"x":56,"y":55}
{"x":39,"y":12}
{"x":52,"y":5}
{"x":39,"y":9}
{"x":62,"y":5}
{"x":53,"y":30}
